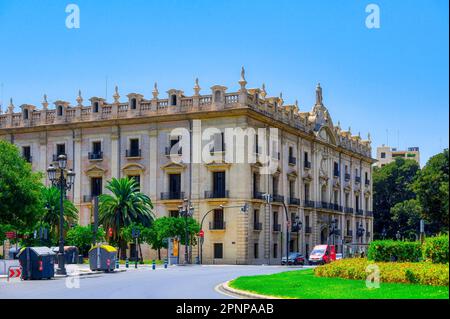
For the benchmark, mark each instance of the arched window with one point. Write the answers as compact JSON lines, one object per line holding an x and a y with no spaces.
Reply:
{"x":173,"y":99}
{"x":25,"y":114}
{"x":95,"y":107}
{"x":217,"y":96}
{"x":60,"y":110}
{"x":133,"y":104}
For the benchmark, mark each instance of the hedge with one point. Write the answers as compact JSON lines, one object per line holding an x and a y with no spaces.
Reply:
{"x":424,"y":273}
{"x":390,"y":250}
{"x":435,"y":249}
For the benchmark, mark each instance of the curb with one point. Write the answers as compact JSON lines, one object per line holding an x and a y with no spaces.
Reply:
{"x":225,"y":286}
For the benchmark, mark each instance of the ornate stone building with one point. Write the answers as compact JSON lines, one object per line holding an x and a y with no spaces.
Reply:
{"x":322,"y":174}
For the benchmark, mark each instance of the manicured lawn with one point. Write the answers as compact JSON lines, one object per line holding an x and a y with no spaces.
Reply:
{"x":304,"y":285}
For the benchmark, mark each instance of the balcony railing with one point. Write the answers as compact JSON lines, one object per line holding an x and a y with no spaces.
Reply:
{"x":133,"y":153}
{"x":178,"y":152}
{"x":257,"y":226}
{"x":337,"y":207}
{"x":258,"y":195}
{"x":308,"y":203}
{"x":172,"y":195}
{"x":307,"y":229}
{"x":358,"y":179}
{"x":292,"y":160}
{"x":349,"y":232}
{"x":336,"y":173}
{"x":276,"y":227}
{"x":95,"y":155}
{"x":359,"y":212}
{"x":294,"y":201}
{"x":348,"y":210}
{"x":323,"y":205}
{"x":367,"y":182}
{"x":217,"y":225}
{"x":307,"y":164}
{"x":278,"y":198}
{"x":216,"y":194}
{"x":369,"y":213}
{"x":347,"y":177}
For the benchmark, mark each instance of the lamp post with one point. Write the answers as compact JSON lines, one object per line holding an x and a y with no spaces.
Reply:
{"x":398,"y":235}
{"x":63,"y":179}
{"x":186,"y":210}
{"x":360,"y":232}
{"x":297,"y":227}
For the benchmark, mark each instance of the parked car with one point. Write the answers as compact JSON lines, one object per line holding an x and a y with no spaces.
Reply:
{"x":322,"y":254}
{"x":294,"y":259}
{"x":339,"y":256}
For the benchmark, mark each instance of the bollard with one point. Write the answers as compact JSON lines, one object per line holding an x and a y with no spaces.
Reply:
{"x":153,"y":264}
{"x":117,"y":263}
{"x":126,"y":263}
{"x":165,"y":264}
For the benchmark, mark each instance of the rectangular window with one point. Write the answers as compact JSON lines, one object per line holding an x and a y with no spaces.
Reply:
{"x":346,"y":199}
{"x":383,"y":155}
{"x":306,"y":157}
{"x":256,"y":250}
{"x":218,"y":221}
{"x":96,"y":186}
{"x":336,"y":169}
{"x":218,"y":250}
{"x":275,"y":250}
{"x":255,"y":183}
{"x":137,"y":178}
{"x":306,"y":192}
{"x":96,"y":147}
{"x":274,"y":185}
{"x":307,"y":220}
{"x":26,"y":153}
{"x":336,"y":197}
{"x":134,"y":144}
{"x":275,"y":218}
{"x":173,"y":213}
{"x":255,"y":216}
{"x":219,"y":184}
{"x":292,"y":189}
{"x":60,"y":149}
{"x":175,"y":186}
{"x":356,"y":203}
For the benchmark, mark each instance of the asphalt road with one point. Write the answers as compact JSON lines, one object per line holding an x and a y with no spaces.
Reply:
{"x":176,"y":282}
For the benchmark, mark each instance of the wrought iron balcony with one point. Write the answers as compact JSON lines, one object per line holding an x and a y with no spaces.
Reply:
{"x":307,"y":164}
{"x":369,"y":213}
{"x":308,"y":203}
{"x":177,"y":152}
{"x":347,"y":177}
{"x":367,"y":182}
{"x":278,"y":198}
{"x":359,"y":212}
{"x":216,"y":194}
{"x":308,"y":230}
{"x":134,"y":152}
{"x":336,"y":173}
{"x":292,"y":160}
{"x":358,"y":179}
{"x":294,"y":201}
{"x":276,"y":227}
{"x":258,"y":195}
{"x":337,"y":207}
{"x":95,"y":155}
{"x":172,"y":195}
{"x":257,"y":226}
{"x":217,"y":225}
{"x":348,"y":210}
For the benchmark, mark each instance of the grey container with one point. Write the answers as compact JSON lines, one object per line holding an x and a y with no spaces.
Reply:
{"x":102,"y":258}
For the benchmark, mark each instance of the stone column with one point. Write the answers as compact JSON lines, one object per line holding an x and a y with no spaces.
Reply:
{"x":153,"y":169}
{"x":77,"y":167}
{"x":115,"y":169}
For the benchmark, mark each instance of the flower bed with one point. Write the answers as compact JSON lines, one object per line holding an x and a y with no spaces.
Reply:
{"x":424,"y":273}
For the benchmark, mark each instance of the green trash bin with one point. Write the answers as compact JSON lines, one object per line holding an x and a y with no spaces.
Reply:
{"x":102,"y":258}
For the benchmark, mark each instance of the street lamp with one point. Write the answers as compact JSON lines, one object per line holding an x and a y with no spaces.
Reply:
{"x":186,"y":210}
{"x":360,"y":232}
{"x":63,"y":179}
{"x":398,"y":235}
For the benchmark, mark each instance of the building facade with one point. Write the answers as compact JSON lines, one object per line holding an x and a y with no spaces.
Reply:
{"x":386,"y":154}
{"x":317,"y":174}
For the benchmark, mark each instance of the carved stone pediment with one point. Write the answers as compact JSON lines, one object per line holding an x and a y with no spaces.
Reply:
{"x":217,"y":166}
{"x":172,"y":167}
{"x":95,"y":171}
{"x":133,"y":169}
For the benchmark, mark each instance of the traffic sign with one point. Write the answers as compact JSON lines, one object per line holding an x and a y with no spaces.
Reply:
{"x":110,"y":232}
{"x":10,"y":234}
{"x":14,"y":272}
{"x":201,"y":233}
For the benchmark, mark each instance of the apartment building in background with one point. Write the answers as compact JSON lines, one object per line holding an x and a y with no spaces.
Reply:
{"x":386,"y":154}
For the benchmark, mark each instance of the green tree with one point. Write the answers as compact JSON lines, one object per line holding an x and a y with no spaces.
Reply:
{"x":406,"y":215}
{"x":83,"y":237}
{"x":125,"y":205}
{"x":391,"y":185}
{"x":169,"y":227}
{"x":432,"y":189}
{"x":51,"y":200}
{"x":144,"y":235}
{"x":20,"y":190}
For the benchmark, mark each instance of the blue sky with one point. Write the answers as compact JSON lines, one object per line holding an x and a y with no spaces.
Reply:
{"x":393,"y":79}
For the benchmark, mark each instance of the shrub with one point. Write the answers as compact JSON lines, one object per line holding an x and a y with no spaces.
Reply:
{"x":390,"y":250}
{"x":424,"y":273}
{"x":435,"y":249}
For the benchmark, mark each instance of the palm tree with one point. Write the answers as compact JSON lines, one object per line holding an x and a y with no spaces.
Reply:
{"x":51,"y":196}
{"x":125,"y":205}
